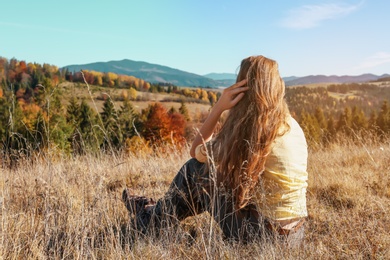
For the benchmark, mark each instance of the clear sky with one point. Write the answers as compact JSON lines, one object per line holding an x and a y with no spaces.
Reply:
{"x":336,"y":37}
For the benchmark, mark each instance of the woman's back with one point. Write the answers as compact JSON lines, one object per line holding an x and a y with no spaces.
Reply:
{"x":282,"y":190}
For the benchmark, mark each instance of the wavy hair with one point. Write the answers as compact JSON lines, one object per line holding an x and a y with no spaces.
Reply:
{"x":244,"y":141}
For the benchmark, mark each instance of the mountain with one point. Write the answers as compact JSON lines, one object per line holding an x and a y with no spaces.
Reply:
{"x":149,"y":72}
{"x":221,"y":76}
{"x":158,"y":73}
{"x":289,"y":78}
{"x":332,"y":79}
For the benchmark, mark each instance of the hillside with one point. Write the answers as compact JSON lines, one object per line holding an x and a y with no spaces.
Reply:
{"x":312,"y":79}
{"x":147,"y":71}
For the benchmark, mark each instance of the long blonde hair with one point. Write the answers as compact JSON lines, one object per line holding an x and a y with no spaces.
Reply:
{"x":244,"y":141}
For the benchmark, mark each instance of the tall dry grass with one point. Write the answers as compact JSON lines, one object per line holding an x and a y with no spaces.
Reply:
{"x":65,"y":208}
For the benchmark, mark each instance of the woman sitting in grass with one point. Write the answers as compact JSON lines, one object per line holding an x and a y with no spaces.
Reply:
{"x":251,"y":177}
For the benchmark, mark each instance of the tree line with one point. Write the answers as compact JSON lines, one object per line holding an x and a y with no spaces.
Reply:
{"x":24,"y":77}
{"x":77,"y":128}
{"x":341,"y":110}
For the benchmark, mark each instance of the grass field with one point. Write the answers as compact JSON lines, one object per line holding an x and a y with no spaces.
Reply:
{"x":65,"y":208}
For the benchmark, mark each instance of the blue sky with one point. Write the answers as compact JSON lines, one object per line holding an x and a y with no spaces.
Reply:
{"x":348,"y":37}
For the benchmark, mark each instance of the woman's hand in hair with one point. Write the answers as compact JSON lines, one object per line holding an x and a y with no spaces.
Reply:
{"x":231,"y":96}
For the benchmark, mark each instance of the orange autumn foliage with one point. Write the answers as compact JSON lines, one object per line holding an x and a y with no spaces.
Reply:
{"x":177,"y":128}
{"x":161,"y":127}
{"x":30,"y":113}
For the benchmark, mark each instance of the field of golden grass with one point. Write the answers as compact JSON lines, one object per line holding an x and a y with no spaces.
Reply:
{"x":66,"y":208}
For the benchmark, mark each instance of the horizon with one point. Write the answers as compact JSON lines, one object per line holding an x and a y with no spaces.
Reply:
{"x":306,"y":38}
{"x":333,"y":75}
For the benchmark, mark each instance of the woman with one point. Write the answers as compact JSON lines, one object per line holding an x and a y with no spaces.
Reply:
{"x":251,"y":177}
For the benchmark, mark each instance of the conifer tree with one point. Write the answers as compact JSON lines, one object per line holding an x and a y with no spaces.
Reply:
{"x":110,"y":119}
{"x":172,"y":110}
{"x":359,"y":120}
{"x":90,"y":138}
{"x":128,"y":119}
{"x":319,"y":115}
{"x":40,"y":132}
{"x":12,"y":131}
{"x":109,"y":113}
{"x":58,"y":129}
{"x":383,"y":120}
{"x":73,"y":118}
{"x":184,"y":111}
{"x":345,"y":121}
{"x":311,"y":127}
{"x":372,"y":121}
{"x":73,"y":112}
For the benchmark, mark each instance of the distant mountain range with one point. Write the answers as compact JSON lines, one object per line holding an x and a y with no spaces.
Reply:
{"x":149,"y":72}
{"x":221,"y":76}
{"x":332,"y":79}
{"x":158,"y":73}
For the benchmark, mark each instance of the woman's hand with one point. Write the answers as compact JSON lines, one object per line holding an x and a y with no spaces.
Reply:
{"x":231,"y":96}
{"x":228,"y":99}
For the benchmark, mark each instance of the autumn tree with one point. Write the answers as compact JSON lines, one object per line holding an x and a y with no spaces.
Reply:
{"x":212,"y":97}
{"x":133,"y":94}
{"x":177,"y":128}
{"x":110,"y":79}
{"x":145,"y":86}
{"x":157,"y":124}
{"x":51,"y":128}
{"x":162,"y":127}
{"x":3,"y":64}
{"x":204,"y":96}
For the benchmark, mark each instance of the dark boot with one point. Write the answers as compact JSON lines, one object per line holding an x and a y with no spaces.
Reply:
{"x":140,"y":209}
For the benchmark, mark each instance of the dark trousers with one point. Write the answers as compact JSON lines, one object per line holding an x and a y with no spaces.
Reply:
{"x":193,"y":191}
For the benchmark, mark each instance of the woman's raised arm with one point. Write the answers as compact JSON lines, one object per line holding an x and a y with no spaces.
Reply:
{"x":229,"y":98}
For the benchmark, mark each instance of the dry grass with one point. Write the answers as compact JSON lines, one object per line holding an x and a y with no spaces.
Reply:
{"x":69,"y":208}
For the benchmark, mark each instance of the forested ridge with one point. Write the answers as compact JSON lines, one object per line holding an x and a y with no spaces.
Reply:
{"x":34,"y":116}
